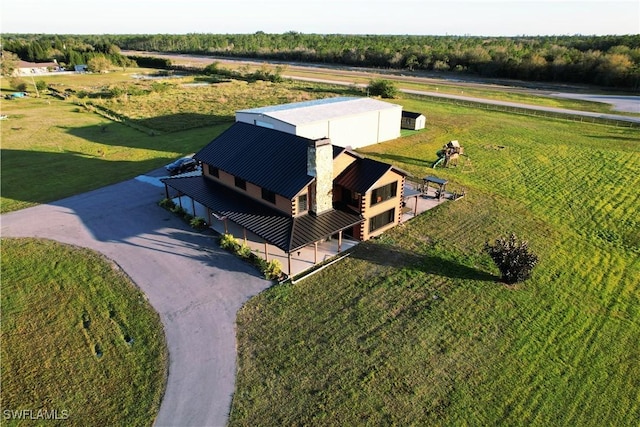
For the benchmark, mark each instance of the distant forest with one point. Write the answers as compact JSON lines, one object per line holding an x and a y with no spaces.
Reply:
{"x":612,"y":61}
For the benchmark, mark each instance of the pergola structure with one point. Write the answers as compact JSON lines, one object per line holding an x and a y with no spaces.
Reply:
{"x":440,"y":185}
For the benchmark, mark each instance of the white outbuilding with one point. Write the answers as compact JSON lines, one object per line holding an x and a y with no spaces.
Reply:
{"x":348,"y":121}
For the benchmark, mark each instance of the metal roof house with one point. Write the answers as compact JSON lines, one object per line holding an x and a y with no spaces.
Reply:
{"x":25,"y":68}
{"x":348,"y":121}
{"x":290,"y":190}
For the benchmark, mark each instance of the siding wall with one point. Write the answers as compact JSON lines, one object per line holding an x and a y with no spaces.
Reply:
{"x":253,"y":191}
{"x":355,"y":131}
{"x":369,"y":211}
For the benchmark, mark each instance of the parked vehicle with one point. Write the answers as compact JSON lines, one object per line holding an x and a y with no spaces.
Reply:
{"x":185,"y":164}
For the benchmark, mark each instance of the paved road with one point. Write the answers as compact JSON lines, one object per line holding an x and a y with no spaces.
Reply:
{"x":621,"y":103}
{"x":195,"y":287}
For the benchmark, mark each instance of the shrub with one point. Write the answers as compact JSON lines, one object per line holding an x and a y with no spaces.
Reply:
{"x":244,"y":251}
{"x":19,"y":85}
{"x":228,"y":242}
{"x":513,"y":258}
{"x":167,"y":204}
{"x":273,"y":270}
{"x":383,"y":88}
{"x":179,"y":210}
{"x":198,"y":223}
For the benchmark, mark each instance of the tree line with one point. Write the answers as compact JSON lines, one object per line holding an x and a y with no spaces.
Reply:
{"x":67,"y":51}
{"x":612,"y":60}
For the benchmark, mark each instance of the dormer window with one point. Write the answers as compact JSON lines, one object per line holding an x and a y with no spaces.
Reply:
{"x":240,"y":183}
{"x":269,"y":196}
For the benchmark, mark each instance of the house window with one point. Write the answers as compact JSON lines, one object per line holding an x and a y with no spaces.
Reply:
{"x":383,"y":193}
{"x":382,"y":219}
{"x":349,"y":197}
{"x":269,"y":196}
{"x":302,"y":203}
{"x":214,"y":171}
{"x":241,"y":183}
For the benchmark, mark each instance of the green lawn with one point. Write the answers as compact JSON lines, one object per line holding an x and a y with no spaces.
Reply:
{"x":77,"y":338}
{"x":414,"y":328}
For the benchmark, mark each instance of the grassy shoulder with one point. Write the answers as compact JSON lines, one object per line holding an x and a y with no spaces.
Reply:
{"x":77,"y":336}
{"x":414,"y":329}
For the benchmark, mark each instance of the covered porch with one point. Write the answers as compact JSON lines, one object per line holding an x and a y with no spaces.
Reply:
{"x":297,"y":243}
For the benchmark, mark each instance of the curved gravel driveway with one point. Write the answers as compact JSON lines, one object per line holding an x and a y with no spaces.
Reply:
{"x":194,"y":286}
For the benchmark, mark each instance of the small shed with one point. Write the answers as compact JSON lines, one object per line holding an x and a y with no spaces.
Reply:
{"x":413,"y":121}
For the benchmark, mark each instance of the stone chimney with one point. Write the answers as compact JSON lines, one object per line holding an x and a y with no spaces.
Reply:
{"x":320,"y":165}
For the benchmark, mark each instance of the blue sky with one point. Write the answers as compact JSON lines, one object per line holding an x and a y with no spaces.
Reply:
{"x":428,"y":17}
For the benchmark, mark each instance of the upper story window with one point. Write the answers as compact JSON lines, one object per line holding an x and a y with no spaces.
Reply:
{"x":269,"y":196}
{"x":383,"y":193}
{"x":241,"y":183}
{"x":214,"y":171}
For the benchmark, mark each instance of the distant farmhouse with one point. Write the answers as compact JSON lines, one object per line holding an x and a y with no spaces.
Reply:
{"x":25,"y":68}
{"x":346,"y":121}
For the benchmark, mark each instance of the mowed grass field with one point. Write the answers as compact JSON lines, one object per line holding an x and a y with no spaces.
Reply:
{"x":414,"y":328}
{"x":79,"y":340}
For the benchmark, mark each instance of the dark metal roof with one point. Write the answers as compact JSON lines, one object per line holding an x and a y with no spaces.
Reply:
{"x":274,"y":160}
{"x":285,"y":232}
{"x":435,"y":180}
{"x":411,"y":192}
{"x":362,"y":174}
{"x":411,"y":114}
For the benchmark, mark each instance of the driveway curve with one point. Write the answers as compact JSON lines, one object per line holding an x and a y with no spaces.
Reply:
{"x":194,"y":286}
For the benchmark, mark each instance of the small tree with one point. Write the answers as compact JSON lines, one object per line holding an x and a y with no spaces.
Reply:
{"x":383,"y":88}
{"x":513,"y":258}
{"x":8,"y":63}
{"x":99,"y":64}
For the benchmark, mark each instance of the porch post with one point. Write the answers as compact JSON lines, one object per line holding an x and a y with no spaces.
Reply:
{"x":339,"y":241}
{"x":415,"y":209}
{"x":226,"y":230}
{"x":315,"y":252}
{"x":166,"y":190}
{"x":244,"y":232}
{"x":180,"y":199}
{"x":289,"y":257}
{"x":266,"y":251}
{"x":193,"y":206}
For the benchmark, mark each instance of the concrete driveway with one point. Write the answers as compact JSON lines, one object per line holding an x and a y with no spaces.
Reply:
{"x":194,"y":286}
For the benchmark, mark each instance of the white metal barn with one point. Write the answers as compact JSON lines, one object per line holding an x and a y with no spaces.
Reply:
{"x":347,"y":121}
